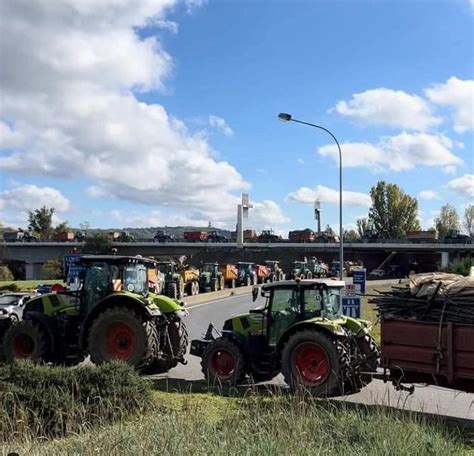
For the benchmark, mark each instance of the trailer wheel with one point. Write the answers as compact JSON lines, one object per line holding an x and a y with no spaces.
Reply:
{"x":25,"y":340}
{"x":223,"y":363}
{"x":119,"y":333}
{"x":315,"y":362}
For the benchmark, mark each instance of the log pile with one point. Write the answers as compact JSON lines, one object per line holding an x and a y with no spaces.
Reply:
{"x":430,"y":297}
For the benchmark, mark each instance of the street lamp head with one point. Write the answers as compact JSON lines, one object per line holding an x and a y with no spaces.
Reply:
{"x":284,"y":117}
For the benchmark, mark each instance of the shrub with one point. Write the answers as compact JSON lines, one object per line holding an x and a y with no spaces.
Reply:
{"x":9,"y":287}
{"x":462,"y":266}
{"x":43,"y":401}
{"x":5,"y":273}
{"x":52,"y":269}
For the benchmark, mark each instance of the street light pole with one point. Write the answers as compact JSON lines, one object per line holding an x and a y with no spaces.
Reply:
{"x":288,"y":118}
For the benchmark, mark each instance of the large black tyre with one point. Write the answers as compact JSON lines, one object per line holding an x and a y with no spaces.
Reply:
{"x":172,"y":290}
{"x":223,"y":363}
{"x":175,"y":348}
{"x":371,"y":353}
{"x":120,"y":333}
{"x":309,"y":275}
{"x":221,"y":283}
{"x":214,"y":285}
{"x":248,"y":281}
{"x":314,"y":362}
{"x":26,"y":340}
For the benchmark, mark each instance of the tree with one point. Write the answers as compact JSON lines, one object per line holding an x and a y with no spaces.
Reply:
{"x":51,"y":269}
{"x":448,"y":219}
{"x":98,"y":244}
{"x":363,"y":226}
{"x":329,"y":231}
{"x":5,"y":273}
{"x":393,"y":212}
{"x":40,"y":221}
{"x":468,"y":221}
{"x":351,"y":236}
{"x":61,"y":227}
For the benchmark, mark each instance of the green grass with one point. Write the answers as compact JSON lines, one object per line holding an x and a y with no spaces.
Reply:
{"x":255,"y":424}
{"x":368,"y":310}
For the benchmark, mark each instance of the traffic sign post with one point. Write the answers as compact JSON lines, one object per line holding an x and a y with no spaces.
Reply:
{"x":359,"y":278}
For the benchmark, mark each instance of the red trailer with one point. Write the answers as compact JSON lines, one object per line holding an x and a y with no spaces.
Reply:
{"x":425,"y":352}
{"x":64,"y":236}
{"x":195,"y":236}
{"x":263,"y":273}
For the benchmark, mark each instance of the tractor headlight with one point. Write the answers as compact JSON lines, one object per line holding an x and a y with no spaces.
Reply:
{"x":182,"y":313}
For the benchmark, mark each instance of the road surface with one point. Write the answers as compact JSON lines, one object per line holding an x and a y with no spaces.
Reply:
{"x":431,"y":400}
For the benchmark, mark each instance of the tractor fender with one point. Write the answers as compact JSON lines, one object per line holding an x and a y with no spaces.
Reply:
{"x":46,"y":323}
{"x":324,"y":327}
{"x":123,"y":300}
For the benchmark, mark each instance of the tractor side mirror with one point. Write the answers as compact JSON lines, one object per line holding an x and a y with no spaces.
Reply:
{"x":254,"y":293}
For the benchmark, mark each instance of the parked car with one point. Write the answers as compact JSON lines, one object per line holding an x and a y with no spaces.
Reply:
{"x":12,"y":304}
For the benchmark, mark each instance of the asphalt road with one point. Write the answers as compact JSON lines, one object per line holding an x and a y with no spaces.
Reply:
{"x":432,"y":400}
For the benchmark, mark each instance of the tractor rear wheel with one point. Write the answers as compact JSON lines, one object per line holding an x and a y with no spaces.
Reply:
{"x":119,"y":333}
{"x":25,"y":340}
{"x":213,"y":284}
{"x":221,"y":283}
{"x":315,"y":362}
{"x":371,"y":353}
{"x":232,"y":283}
{"x":172,"y":290}
{"x":175,"y":348}
{"x":223,"y":362}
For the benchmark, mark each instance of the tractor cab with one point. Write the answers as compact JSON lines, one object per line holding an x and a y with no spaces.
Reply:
{"x":210,"y":268}
{"x":299,"y":269}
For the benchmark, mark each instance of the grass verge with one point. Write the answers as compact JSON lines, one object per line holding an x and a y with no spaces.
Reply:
{"x":20,"y":285}
{"x":200,"y":424}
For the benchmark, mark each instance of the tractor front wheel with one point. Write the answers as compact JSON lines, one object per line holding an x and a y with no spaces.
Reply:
{"x":315,"y":362}
{"x":25,"y":340}
{"x":172,"y":290}
{"x":118,"y":333}
{"x":223,"y":362}
{"x":213,"y":284}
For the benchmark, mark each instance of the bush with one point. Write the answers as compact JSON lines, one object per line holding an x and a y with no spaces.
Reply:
{"x":52,"y":269}
{"x":462,"y":266}
{"x":9,"y":287}
{"x":42,"y":401}
{"x":5,"y":273}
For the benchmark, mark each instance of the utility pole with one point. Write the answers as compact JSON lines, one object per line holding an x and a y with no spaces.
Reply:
{"x":317,"y":215}
{"x":242,"y":213}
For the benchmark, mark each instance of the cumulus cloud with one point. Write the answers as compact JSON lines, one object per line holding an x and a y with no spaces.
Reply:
{"x":397,"y":153}
{"x":220,"y":124}
{"x":457,"y":94}
{"x":463,"y":185}
{"x":428,"y":195}
{"x":70,"y":74}
{"x":329,"y":195}
{"x":16,"y":202}
{"x":393,"y":108}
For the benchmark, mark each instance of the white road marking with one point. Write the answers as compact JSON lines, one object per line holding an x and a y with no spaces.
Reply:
{"x":212,"y":302}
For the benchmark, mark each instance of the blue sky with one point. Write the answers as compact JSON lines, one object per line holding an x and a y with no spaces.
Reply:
{"x":391,"y":79}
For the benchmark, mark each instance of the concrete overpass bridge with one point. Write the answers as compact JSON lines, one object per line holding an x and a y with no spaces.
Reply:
{"x":372,"y":254}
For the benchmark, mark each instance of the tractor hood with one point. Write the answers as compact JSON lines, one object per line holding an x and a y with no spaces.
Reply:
{"x":165,"y":304}
{"x":246,"y":324}
{"x":341,"y":324}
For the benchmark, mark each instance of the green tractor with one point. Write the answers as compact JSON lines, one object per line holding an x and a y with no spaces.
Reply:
{"x":276,"y":273}
{"x":246,"y":274}
{"x":111,"y":316}
{"x":301,"y":270}
{"x":301,"y":333}
{"x":211,"y":278}
{"x":317,"y":269}
{"x":173,"y":283}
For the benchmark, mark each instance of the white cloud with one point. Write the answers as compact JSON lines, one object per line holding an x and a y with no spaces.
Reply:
{"x":457,"y":94}
{"x":16,"y":202}
{"x":428,"y":195}
{"x":192,"y":5}
{"x":329,"y":195}
{"x":220,"y":124}
{"x":266,"y":214}
{"x":394,"y":108}
{"x":463,"y":185}
{"x":78,"y":116}
{"x":397,"y":153}
{"x":300,"y":161}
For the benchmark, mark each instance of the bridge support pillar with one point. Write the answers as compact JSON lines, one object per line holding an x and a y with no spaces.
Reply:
{"x":33,"y":271}
{"x":444,"y":259}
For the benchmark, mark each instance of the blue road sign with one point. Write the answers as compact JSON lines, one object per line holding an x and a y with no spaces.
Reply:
{"x":358,"y":279}
{"x":351,"y":306}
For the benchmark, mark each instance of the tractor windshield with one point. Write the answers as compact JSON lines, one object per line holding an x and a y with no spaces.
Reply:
{"x":208,"y":268}
{"x":331,"y":301}
{"x":164,"y":268}
{"x":135,"y":278}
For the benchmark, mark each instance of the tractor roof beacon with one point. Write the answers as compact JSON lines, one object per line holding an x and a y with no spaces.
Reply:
{"x":301,"y":332}
{"x":113,"y":315}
